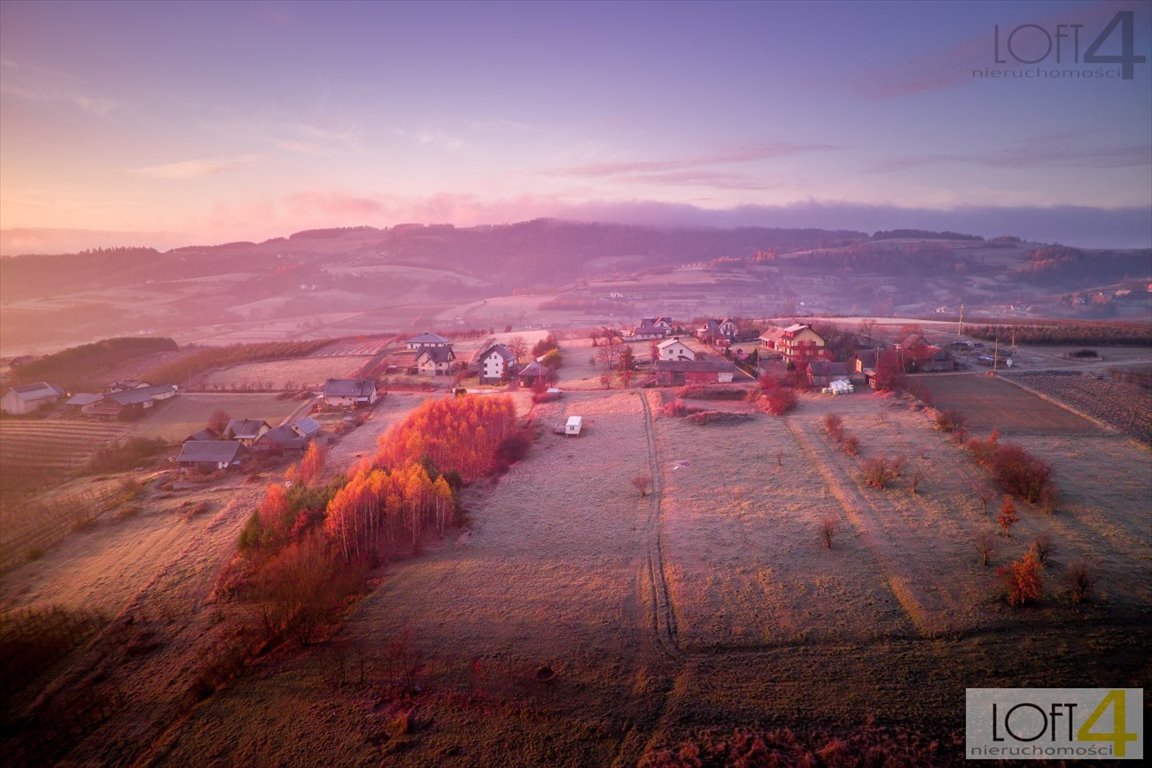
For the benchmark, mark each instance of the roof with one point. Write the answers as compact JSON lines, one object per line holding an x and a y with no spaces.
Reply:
{"x":141,"y":395}
{"x":38,"y":391}
{"x":281,"y":435}
{"x":84,"y":398}
{"x":533,"y":368}
{"x":244,"y":428}
{"x":500,"y":349}
{"x":205,"y":434}
{"x":695,"y":366}
{"x":306,"y":426}
{"x":436,"y":354}
{"x":349,"y":388}
{"x":428,"y":338}
{"x":209,"y":451}
{"x":826,"y":368}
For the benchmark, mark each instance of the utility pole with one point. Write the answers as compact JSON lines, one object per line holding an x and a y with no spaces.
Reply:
{"x":996,"y":355}
{"x":960,"y":323}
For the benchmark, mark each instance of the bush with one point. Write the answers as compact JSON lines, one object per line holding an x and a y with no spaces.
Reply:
{"x":676,"y":408}
{"x":1023,"y":580}
{"x":1080,"y":582}
{"x":1043,"y":548}
{"x":1018,"y":472}
{"x":717,"y":417}
{"x":851,"y":445}
{"x":700,"y":392}
{"x":882,"y":471}
{"x":512,"y":449}
{"x":780,"y":401}
{"x":827,"y":531}
{"x":986,"y":545}
{"x":949,"y":421}
{"x":834,"y":426}
{"x":1008,"y":516}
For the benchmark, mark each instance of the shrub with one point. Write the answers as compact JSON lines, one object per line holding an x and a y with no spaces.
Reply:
{"x":1080,"y":582}
{"x":642,"y":483}
{"x":834,"y":426}
{"x":1008,"y":516}
{"x":827,"y":531}
{"x":881,"y":471}
{"x":1023,"y":580}
{"x":512,"y":449}
{"x":851,"y":445}
{"x":1043,"y":548}
{"x":675,"y":408}
{"x":1020,"y":473}
{"x":780,"y":401}
{"x":717,"y":417}
{"x":949,"y":421}
{"x":545,"y":397}
{"x":700,"y":392}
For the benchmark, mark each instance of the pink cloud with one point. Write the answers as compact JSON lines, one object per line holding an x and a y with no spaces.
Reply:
{"x":745,"y":154}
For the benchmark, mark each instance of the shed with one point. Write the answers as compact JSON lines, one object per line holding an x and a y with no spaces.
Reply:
{"x":210,"y":454}
{"x":573,"y":426}
{"x":26,"y":398}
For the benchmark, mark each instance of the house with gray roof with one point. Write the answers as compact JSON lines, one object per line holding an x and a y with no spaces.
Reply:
{"x":26,"y":398}
{"x":349,"y":393}
{"x":209,"y":455}
{"x":434,"y":361}
{"x":247,"y":431}
{"x":427,"y":340}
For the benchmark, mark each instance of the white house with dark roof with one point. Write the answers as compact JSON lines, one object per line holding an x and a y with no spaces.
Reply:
{"x":494,"y":363}
{"x":427,"y":340}
{"x":434,"y":361}
{"x":653,"y":328}
{"x":128,"y":401}
{"x":348,"y":393}
{"x":246,"y":431}
{"x":26,"y":398}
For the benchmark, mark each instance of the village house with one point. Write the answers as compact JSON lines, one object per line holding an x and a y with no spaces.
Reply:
{"x":246,"y":431}
{"x":435,"y":361}
{"x":653,"y":328}
{"x":717,"y":331}
{"x":26,"y":398}
{"x":288,"y":437}
{"x":494,"y":363}
{"x":349,"y":393}
{"x":681,"y":348}
{"x":533,"y":372}
{"x":713,"y":371}
{"x":427,"y":340}
{"x":129,"y":403}
{"x":918,"y":356}
{"x":822,"y":373}
{"x":306,"y":427}
{"x":797,"y":344}
{"x":204,"y":434}
{"x":209,"y":455}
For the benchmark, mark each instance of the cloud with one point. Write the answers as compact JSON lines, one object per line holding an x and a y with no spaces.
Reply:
{"x":745,"y":154}
{"x":431,"y":138}
{"x":1038,"y":152}
{"x":334,"y":205}
{"x":694,"y":178}
{"x":192,"y":169}
{"x":39,"y":85}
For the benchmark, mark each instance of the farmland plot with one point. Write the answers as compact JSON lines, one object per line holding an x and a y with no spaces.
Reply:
{"x":300,"y":373}
{"x":175,"y":419}
{"x":748,"y":567}
{"x":546,"y":577}
{"x":988,"y":403}
{"x":54,"y":444}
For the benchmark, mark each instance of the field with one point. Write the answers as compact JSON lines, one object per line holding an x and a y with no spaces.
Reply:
{"x":53,"y":444}
{"x":987,"y":403}
{"x":175,"y":419}
{"x":1126,"y":407}
{"x":288,"y":375}
{"x":574,"y":622}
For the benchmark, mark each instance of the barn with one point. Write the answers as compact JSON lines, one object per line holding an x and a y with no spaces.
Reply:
{"x":26,"y":398}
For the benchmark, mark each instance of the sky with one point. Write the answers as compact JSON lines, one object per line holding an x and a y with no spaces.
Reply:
{"x":172,"y":123}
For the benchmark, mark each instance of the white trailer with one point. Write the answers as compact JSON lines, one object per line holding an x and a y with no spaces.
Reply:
{"x":573,"y":426}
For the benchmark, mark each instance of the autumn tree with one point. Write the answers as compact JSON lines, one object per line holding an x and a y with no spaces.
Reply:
{"x":311,"y":467}
{"x":642,"y":483}
{"x":1023,"y":580}
{"x":1008,"y":516}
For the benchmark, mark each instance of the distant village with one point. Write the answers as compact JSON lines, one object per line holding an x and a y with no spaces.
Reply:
{"x":716,"y":351}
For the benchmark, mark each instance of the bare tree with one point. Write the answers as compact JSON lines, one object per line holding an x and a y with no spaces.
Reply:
{"x":518,"y":347}
{"x":867,"y":326}
{"x":986,"y":544}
